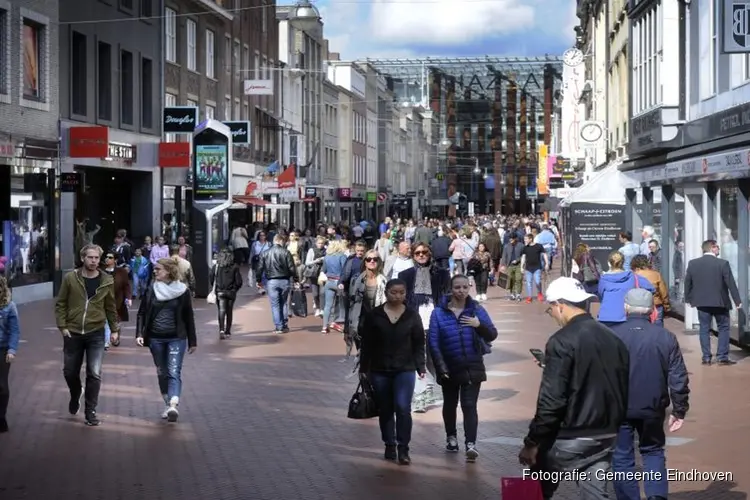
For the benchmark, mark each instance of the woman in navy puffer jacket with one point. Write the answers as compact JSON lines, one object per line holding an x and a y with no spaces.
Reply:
{"x":459,"y":337}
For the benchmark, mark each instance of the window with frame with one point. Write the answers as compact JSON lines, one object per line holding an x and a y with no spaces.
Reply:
{"x":264,"y":17}
{"x":192,"y":55}
{"x":257,"y":66}
{"x":147,"y":93}
{"x":227,"y":55}
{"x":170,"y":100}
{"x":170,"y":33}
{"x":104,"y":81}
{"x":245,"y":61}
{"x":707,"y":49}
{"x":210,"y":54}
{"x":147,"y":8}
{"x":210,"y":112}
{"x":191,"y":103}
{"x":126,"y":5}
{"x":236,"y":59}
{"x":4,"y":63}
{"x":126,"y":87}
{"x":33,"y":60}
{"x":236,"y":114}
{"x":228,"y":108}
{"x":78,"y":74}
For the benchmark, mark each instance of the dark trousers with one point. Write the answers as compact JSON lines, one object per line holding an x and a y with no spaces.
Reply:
{"x":4,"y":386}
{"x":705,"y":315}
{"x":468,"y":395}
{"x":225,"y":306}
{"x":588,"y":456}
{"x":481,"y":280}
{"x":651,"y":442}
{"x":74,"y":348}
{"x":393,"y":394}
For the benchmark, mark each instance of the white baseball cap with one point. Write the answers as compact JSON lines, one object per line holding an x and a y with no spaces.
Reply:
{"x":568,"y":289}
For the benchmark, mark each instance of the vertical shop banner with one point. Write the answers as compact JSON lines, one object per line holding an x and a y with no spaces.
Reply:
{"x":531,"y":187}
{"x":598,"y":226}
{"x":511,"y":138}
{"x":541,"y":173}
{"x":211,"y":178}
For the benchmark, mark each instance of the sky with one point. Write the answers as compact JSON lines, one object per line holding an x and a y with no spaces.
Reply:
{"x":448,"y":28}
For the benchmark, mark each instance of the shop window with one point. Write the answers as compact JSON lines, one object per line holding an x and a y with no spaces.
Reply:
{"x":24,"y":255}
{"x":674,"y":243}
{"x":726,"y":227}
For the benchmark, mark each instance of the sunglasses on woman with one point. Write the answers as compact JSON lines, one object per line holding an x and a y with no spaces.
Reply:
{"x":372,"y":259}
{"x":421,"y":252}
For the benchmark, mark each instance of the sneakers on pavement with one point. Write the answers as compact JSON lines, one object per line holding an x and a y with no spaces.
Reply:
{"x":451,"y":444}
{"x":91,"y":419}
{"x":74,"y":405}
{"x":471,"y":452}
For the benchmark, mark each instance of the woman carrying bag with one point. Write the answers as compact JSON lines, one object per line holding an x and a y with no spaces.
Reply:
{"x":391,"y":356}
{"x":460,"y":335}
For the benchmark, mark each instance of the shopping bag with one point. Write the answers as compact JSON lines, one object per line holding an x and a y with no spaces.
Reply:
{"x":362,"y":404}
{"x":518,"y":488}
{"x":299,"y":302}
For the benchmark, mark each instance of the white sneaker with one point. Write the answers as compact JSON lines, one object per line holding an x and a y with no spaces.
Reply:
{"x":471,"y":452}
{"x":165,"y":413}
{"x":484,"y":296}
{"x":172,"y":414}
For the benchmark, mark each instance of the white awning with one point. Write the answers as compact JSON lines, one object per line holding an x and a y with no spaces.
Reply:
{"x":606,"y":186}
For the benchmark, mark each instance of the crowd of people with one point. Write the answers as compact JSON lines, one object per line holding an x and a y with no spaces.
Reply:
{"x":408,"y":298}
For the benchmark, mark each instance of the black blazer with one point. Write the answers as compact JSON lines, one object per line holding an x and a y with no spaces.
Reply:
{"x":440,"y":280}
{"x":185,"y":318}
{"x":709,"y":283}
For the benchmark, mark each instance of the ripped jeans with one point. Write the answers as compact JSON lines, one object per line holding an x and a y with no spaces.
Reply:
{"x":168,"y":355}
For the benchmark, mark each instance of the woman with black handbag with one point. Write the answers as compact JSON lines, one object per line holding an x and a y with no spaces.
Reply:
{"x":392,"y":354}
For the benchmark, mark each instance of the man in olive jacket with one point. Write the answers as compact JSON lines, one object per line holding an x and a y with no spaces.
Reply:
{"x":85,"y":302}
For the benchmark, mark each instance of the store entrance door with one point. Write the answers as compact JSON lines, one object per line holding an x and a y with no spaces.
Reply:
{"x":696,"y":232}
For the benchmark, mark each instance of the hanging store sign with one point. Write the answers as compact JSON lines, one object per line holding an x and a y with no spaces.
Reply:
{"x":71,"y":182}
{"x":735,"y":26}
{"x":240,"y":132}
{"x":730,"y":164}
{"x":258,"y":87}
{"x":174,"y":154}
{"x":180,"y":119}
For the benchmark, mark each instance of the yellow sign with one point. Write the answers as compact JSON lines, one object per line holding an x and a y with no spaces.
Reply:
{"x":542,"y":180}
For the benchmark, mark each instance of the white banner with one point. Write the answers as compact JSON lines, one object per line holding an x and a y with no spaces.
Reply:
{"x":258,"y":87}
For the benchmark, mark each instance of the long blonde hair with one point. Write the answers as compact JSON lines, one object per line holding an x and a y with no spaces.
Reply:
{"x":5,"y":294}
{"x":336,"y":246}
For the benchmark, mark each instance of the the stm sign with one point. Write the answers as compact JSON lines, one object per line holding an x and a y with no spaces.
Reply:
{"x":736,"y":26}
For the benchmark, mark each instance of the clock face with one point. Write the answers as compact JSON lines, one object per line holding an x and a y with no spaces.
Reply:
{"x":572,"y":57}
{"x":591,"y":132}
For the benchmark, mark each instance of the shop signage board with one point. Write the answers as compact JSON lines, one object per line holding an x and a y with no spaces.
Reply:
{"x":180,"y":119}
{"x":598,"y":226}
{"x":88,"y":142}
{"x":240,"y":131}
{"x":174,"y":154}
{"x":728,"y":163}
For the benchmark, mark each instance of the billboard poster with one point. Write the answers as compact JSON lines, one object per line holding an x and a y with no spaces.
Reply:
{"x":598,"y":226}
{"x":211,"y":179}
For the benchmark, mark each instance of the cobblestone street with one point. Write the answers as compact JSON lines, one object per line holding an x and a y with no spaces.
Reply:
{"x":264,"y":417}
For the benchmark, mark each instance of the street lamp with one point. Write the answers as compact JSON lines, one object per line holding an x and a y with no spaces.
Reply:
{"x":304,"y":16}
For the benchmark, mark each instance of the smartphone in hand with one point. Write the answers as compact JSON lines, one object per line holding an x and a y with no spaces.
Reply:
{"x":538,"y":356}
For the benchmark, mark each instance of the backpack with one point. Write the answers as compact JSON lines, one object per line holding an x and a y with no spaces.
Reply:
{"x":591,"y":270}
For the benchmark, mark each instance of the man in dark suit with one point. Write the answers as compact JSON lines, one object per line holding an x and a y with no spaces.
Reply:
{"x":708,"y":285}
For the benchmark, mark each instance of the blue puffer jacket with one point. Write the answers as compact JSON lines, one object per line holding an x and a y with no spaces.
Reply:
{"x":456,"y":350}
{"x":10,"y":331}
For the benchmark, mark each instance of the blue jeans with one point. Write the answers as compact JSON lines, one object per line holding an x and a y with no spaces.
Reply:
{"x":537,"y":277}
{"x":651,"y":441}
{"x":168,"y":355}
{"x":393,"y":394}
{"x":107,"y":332}
{"x":74,"y":348}
{"x":660,"y":318}
{"x":138,"y":284}
{"x":705,"y":314}
{"x":330,"y":292}
{"x":278,"y":294}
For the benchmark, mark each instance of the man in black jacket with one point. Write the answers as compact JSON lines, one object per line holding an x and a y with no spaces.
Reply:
{"x":657,"y":376}
{"x":708,"y":285}
{"x":583,"y":397}
{"x":278,"y":265}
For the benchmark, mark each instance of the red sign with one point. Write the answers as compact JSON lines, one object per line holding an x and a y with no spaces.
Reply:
{"x":7,"y":149}
{"x":174,"y":154}
{"x":382,"y":196}
{"x":251,"y":187}
{"x":287,"y":178}
{"x":88,"y":142}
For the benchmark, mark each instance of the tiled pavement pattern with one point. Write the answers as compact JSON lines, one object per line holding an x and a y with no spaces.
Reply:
{"x":264,"y":417}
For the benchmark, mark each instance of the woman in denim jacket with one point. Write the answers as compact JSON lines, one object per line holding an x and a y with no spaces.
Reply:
{"x":10,"y":333}
{"x":333,"y":265}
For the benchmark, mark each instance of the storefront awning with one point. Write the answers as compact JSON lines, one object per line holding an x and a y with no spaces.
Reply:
{"x":250,"y":201}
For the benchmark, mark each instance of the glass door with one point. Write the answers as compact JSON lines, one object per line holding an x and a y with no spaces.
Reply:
{"x":696,"y":229}
{"x":726,"y":226}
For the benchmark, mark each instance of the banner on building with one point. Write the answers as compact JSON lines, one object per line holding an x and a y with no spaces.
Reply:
{"x":258,"y":87}
{"x":542,"y":176}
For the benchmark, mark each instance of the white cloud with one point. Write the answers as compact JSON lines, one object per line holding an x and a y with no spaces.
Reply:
{"x":442,"y":22}
{"x":393,"y":28}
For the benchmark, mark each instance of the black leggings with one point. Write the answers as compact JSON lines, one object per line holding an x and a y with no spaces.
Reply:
{"x":225,"y":306}
{"x":481,"y":280}
{"x":4,"y":386}
{"x":468,"y":394}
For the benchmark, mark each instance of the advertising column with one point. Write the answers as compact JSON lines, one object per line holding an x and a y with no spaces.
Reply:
{"x":212,"y":174}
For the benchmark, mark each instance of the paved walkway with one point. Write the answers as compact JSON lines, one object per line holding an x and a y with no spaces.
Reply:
{"x":264,"y":417}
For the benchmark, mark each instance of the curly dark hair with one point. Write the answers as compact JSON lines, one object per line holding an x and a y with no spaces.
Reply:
{"x":640,"y":262}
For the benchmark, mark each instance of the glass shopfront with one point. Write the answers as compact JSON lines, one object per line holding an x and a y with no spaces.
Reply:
{"x":25,"y":204}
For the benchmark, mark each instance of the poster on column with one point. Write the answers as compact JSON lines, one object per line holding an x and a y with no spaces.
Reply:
{"x":598,"y":226}
{"x":211,"y":172}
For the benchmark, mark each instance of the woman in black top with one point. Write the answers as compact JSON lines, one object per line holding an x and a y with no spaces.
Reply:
{"x":391,"y":355}
{"x":166,"y":325}
{"x":226,"y":277}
